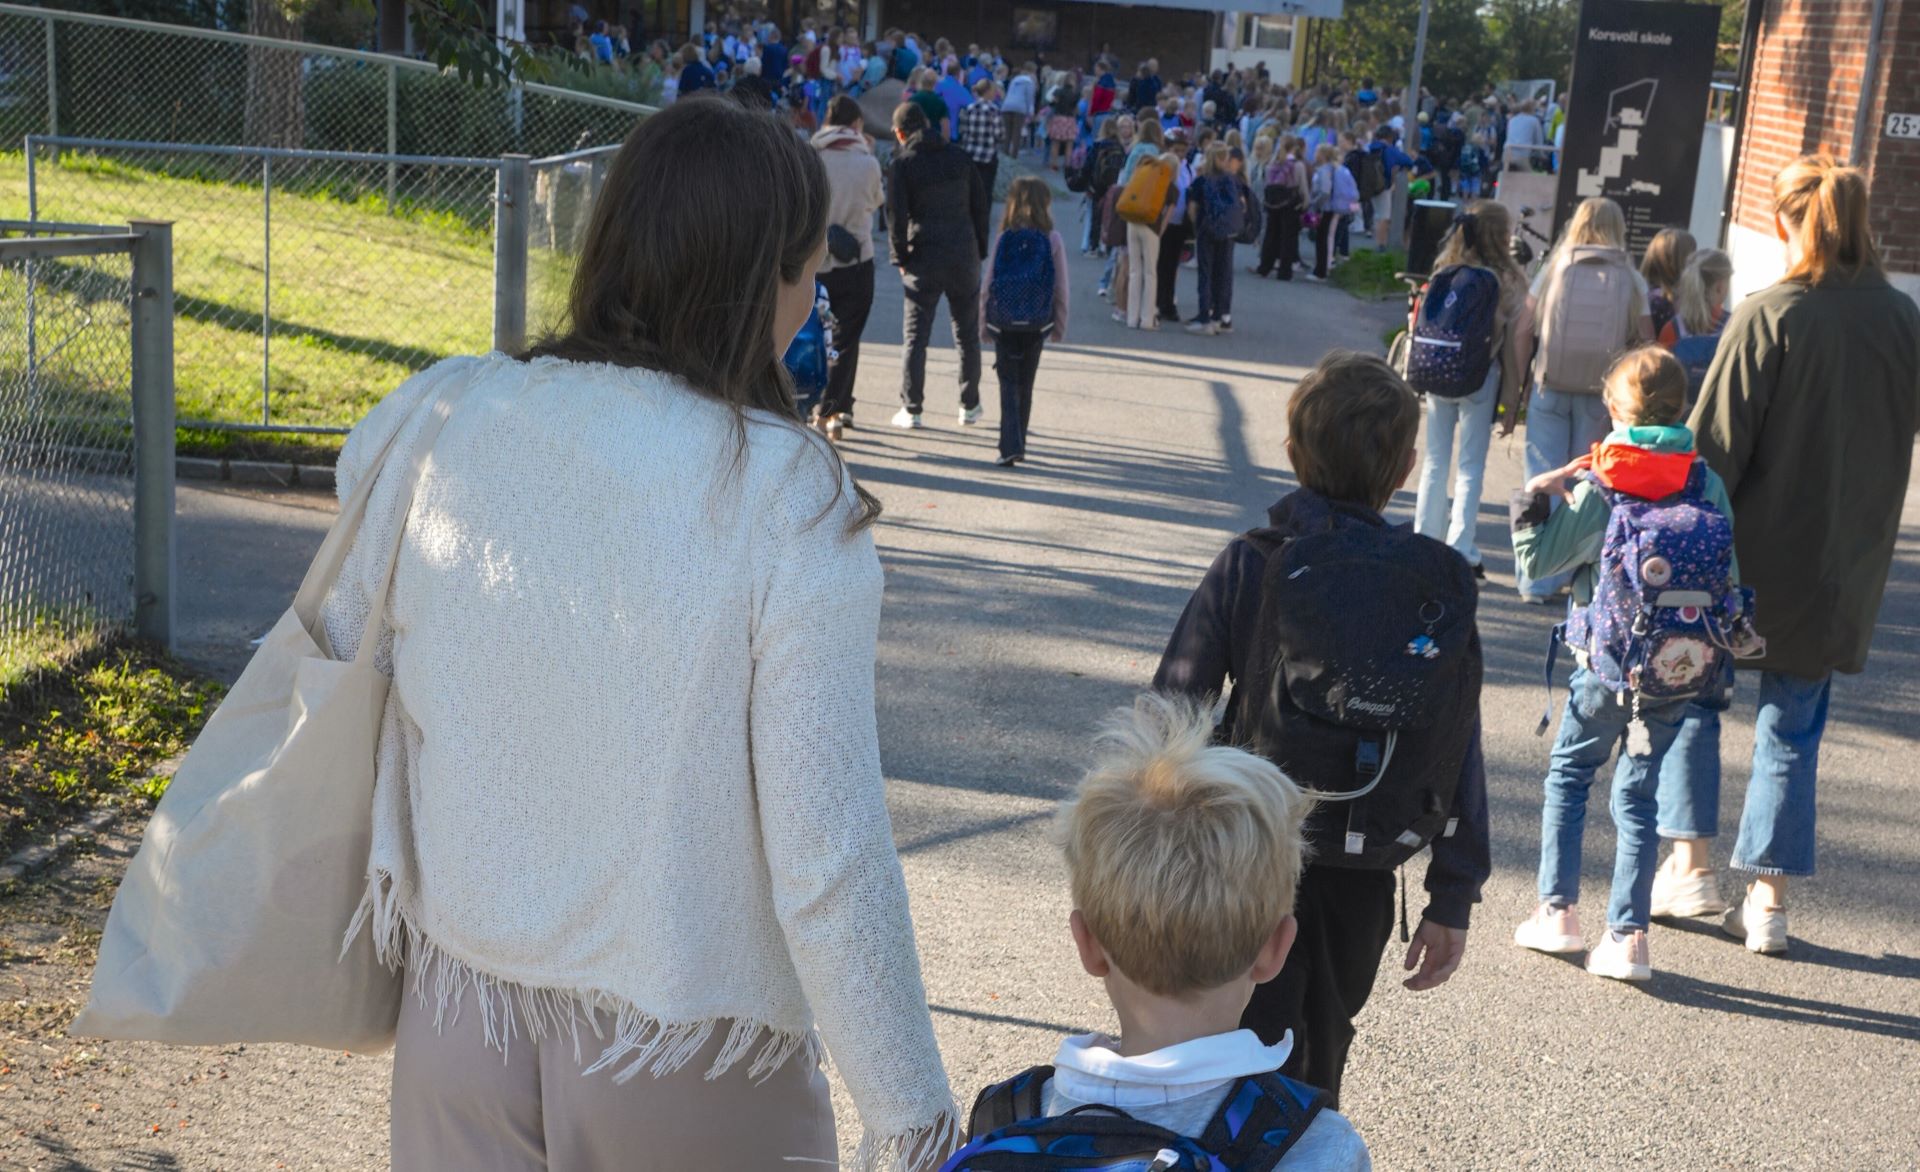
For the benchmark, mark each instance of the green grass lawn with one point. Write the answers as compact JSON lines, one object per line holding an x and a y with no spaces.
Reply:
{"x":1370,"y":274}
{"x":360,"y":298}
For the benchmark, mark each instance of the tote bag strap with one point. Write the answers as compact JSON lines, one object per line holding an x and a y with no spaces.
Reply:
{"x":324,"y":572}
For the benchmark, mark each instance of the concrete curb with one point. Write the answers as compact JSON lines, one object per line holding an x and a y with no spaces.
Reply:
{"x":29,"y":859}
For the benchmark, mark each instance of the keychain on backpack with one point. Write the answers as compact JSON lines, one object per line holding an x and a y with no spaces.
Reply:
{"x":1424,"y":646}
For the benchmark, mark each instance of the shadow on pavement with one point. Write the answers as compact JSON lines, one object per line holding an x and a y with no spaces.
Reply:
{"x":1691,"y":991}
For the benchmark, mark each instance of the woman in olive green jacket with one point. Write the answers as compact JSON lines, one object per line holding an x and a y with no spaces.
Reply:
{"x":1808,"y":414}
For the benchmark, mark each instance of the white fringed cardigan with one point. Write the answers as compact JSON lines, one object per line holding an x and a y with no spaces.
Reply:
{"x":606,"y":776}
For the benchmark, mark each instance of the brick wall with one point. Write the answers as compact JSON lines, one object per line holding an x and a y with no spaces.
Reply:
{"x":1806,"y":90}
{"x":1180,"y":38}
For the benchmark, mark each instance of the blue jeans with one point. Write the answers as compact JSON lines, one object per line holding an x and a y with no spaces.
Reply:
{"x":1472,"y":417}
{"x":1594,"y":723}
{"x":1215,"y":255}
{"x":1777,"y":822}
{"x":1089,"y":226}
{"x":1560,"y":426}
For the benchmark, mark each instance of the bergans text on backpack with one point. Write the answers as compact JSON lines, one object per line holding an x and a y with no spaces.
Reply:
{"x":1364,"y":684}
{"x":1665,"y":609}
{"x":1451,"y":350}
{"x":1695,"y":354}
{"x":1263,"y":1116}
{"x":1145,"y":196}
{"x":1588,"y":313}
{"x":1020,"y":296}
{"x":1222,"y":215}
{"x":1369,"y":173}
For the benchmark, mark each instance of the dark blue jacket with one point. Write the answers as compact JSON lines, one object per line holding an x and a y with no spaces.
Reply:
{"x":1209,"y":647}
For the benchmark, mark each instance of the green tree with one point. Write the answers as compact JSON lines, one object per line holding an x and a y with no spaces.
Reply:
{"x":1375,"y":39}
{"x":1535,"y":37}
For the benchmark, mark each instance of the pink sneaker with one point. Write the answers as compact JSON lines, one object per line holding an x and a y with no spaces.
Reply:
{"x":1621,"y":959}
{"x":1551,"y":929}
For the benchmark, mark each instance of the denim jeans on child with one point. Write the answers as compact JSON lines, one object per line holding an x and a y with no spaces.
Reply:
{"x":1215,"y":255}
{"x":1594,"y":724}
{"x":1777,"y":822}
{"x":1472,"y":417}
{"x":1560,"y":426}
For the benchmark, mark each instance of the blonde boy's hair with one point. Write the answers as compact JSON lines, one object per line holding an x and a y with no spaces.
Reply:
{"x":1183,"y":855}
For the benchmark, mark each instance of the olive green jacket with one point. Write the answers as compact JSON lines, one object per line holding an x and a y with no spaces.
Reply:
{"x":1809,"y":414}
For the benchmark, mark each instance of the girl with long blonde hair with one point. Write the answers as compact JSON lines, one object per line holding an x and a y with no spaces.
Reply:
{"x":1588,"y":288}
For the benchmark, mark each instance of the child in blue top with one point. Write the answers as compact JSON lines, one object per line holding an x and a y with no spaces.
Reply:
{"x":1649,"y":457}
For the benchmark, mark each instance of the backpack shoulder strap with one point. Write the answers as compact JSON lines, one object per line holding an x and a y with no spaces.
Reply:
{"x":1263,"y":1117}
{"x":1004,"y":1104}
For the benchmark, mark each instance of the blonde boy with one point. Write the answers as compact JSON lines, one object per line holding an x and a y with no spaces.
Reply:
{"x":1183,"y":857}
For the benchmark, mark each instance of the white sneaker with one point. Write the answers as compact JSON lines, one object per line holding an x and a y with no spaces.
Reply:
{"x":1551,"y":929}
{"x":1764,"y":929}
{"x":971,"y":415}
{"x":907,"y":419}
{"x":1622,"y":959}
{"x":1206,"y":328}
{"x":1677,"y":895}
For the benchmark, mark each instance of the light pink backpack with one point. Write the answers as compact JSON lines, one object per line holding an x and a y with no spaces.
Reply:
{"x":1586,"y":318}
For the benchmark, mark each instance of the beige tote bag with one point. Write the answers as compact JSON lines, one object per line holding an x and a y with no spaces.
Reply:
{"x":229,"y":922}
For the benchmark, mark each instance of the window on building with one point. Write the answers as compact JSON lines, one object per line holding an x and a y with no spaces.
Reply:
{"x":1266,"y":32}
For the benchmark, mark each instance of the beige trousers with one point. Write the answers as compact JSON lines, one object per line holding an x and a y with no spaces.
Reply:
{"x":460,"y":1104}
{"x":1143,"y":252}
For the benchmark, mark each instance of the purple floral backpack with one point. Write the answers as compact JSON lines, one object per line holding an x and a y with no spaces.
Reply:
{"x":1662,"y":624}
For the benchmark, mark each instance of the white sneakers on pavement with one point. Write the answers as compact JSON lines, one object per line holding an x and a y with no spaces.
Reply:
{"x":1678,"y":894}
{"x":971,"y":415}
{"x":907,"y":419}
{"x":1763,"y":928}
{"x":1551,"y":929}
{"x":1622,"y":958}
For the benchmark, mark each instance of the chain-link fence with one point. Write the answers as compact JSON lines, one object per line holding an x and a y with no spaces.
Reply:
{"x":564,"y":189}
{"x":101,"y":77}
{"x":308,"y":284}
{"x":85,"y":381}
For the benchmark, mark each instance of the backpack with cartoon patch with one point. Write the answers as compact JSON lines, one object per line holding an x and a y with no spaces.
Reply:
{"x":1665,"y":612}
{"x":1262,"y":1118}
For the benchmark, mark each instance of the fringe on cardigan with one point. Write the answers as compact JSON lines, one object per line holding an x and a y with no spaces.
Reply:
{"x":640,"y":1041}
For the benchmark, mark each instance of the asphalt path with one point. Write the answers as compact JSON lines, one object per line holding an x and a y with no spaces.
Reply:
{"x":1021,"y":606}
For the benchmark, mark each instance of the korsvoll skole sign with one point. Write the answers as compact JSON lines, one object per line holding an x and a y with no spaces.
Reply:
{"x":1642,"y":70}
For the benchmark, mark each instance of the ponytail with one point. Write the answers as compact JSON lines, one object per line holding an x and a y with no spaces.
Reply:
{"x":1824,"y":205}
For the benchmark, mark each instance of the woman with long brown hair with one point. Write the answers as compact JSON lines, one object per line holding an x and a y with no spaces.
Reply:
{"x":1808,"y":414}
{"x":639,"y":886}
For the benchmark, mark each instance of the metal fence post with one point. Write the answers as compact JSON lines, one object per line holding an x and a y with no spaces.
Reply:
{"x":393,"y":133}
{"x":153,"y":437}
{"x":512,"y":204}
{"x":53,"y":83}
{"x":266,"y":287}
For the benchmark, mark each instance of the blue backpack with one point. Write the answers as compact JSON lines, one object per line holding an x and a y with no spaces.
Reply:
{"x":1451,"y":351}
{"x":1664,"y":607}
{"x":1222,"y":214}
{"x":811,"y":353}
{"x":1020,"y":298}
{"x":1695,"y":353}
{"x":1263,"y":1117}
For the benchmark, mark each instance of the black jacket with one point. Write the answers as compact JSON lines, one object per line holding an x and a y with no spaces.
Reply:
{"x":1209,"y":646}
{"x":936,"y":207}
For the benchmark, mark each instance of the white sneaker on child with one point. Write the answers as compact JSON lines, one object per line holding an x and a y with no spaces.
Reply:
{"x":1691,"y":893}
{"x":1763,"y":928}
{"x":1551,"y":929}
{"x":1623,"y":958}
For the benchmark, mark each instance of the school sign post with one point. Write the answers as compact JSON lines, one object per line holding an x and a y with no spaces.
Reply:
{"x":1636,"y":110}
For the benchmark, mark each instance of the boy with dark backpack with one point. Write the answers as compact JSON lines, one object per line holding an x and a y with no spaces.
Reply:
{"x":1656,"y":620}
{"x":1355,"y":666}
{"x":1183,"y":858}
{"x":1023,"y":302}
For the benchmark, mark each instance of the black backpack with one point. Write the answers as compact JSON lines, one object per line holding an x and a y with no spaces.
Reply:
{"x":1263,"y":1116}
{"x":1364,"y":684}
{"x":1251,"y":218}
{"x":1369,"y":173}
{"x":1105,"y":167}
